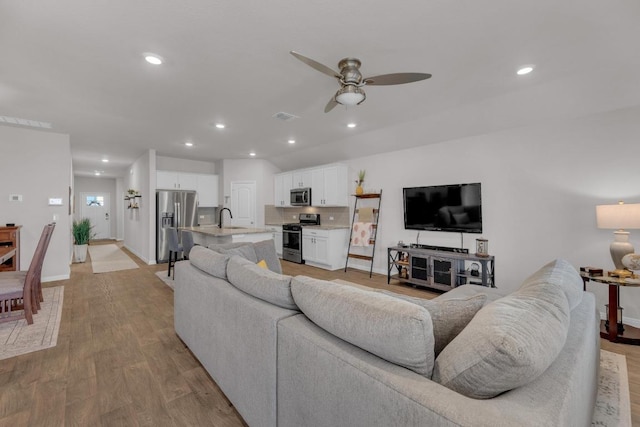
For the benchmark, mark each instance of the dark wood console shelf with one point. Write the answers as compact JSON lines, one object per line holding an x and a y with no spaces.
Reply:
{"x":10,"y":237}
{"x":442,"y":270}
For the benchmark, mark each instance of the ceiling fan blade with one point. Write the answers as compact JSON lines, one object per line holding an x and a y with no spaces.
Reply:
{"x":330,"y":105}
{"x":395,"y":79}
{"x":315,"y":64}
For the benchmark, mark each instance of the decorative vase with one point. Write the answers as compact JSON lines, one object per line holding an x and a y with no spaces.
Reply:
{"x":359,"y":190}
{"x":80,"y":252}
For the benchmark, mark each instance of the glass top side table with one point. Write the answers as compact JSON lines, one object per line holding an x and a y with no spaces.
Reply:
{"x":627,"y":334}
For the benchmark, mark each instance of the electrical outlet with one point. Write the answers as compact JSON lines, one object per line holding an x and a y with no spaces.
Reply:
{"x":201,"y":216}
{"x":293,"y":216}
{"x":330,"y":218}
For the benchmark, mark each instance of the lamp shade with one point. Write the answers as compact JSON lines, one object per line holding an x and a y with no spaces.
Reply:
{"x":350,"y":95}
{"x":618,"y":217}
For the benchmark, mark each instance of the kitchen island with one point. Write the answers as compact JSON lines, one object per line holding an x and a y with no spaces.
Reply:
{"x":212,"y":235}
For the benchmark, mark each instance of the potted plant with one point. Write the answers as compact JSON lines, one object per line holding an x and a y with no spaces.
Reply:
{"x":81,"y":236}
{"x":360,"y":181}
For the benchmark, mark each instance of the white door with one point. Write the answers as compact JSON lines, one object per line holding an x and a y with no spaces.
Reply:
{"x":96,"y":207}
{"x":243,"y":203}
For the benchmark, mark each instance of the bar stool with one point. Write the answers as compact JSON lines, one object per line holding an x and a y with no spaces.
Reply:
{"x":174,"y":249}
{"x":187,"y":242}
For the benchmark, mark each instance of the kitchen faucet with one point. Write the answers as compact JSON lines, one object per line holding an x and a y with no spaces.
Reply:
{"x":220,"y":217}
{"x":417,"y":238}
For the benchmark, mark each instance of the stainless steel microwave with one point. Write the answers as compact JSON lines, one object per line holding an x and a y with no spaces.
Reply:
{"x":301,"y":197}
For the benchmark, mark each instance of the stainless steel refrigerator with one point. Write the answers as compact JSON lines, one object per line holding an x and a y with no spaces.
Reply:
{"x":173,"y":209}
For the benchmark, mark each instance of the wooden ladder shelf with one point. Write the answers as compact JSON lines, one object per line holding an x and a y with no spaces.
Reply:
{"x":374,"y":231}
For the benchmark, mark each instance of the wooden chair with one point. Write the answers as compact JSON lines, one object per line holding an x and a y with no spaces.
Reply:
{"x":36,"y":290}
{"x":17,"y":293}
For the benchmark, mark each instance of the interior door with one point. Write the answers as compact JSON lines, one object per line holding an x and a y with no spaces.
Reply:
{"x":96,"y":207}
{"x":243,"y":203}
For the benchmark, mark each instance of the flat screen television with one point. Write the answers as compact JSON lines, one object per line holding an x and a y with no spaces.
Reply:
{"x":455,"y":208}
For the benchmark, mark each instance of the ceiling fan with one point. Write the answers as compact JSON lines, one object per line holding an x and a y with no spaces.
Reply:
{"x":351,"y":81}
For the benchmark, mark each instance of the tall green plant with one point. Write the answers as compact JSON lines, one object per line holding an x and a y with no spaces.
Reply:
{"x":82,"y":231}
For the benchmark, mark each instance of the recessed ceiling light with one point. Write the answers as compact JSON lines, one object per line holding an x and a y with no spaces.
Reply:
{"x":105,"y":160}
{"x":189,"y":144}
{"x":292,"y":141}
{"x":220,"y":125}
{"x":97,"y":173}
{"x":252,"y":154}
{"x":351,"y":125}
{"x":152,"y":58}
{"x":525,"y":70}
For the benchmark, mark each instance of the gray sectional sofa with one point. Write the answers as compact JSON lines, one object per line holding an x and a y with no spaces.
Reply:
{"x":306,"y":352}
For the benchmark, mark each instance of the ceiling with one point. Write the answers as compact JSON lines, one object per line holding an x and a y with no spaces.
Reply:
{"x":79,"y":65}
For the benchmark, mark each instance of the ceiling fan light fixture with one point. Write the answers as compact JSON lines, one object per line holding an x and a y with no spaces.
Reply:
{"x":350,"y":95}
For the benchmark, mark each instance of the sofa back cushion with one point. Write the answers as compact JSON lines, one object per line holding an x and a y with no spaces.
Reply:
{"x":509,"y":343}
{"x":245,"y":251}
{"x":449,"y":316}
{"x":209,"y":261}
{"x":393,"y":329}
{"x":261,"y":283}
{"x":562,"y":274}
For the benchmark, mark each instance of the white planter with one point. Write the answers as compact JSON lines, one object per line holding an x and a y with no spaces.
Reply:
{"x":80,"y":252}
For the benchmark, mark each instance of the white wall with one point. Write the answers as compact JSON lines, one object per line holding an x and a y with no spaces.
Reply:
{"x":37,"y":165}
{"x":540,"y":186}
{"x":88,"y":184}
{"x":257,"y":170}
{"x":139,"y":224}
{"x":184,"y":165}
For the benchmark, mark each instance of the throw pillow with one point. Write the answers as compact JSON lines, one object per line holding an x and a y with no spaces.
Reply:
{"x":266,"y":250}
{"x":449,"y":316}
{"x":509,"y":343}
{"x":390,"y":328}
{"x":260,"y":282}
{"x":209,"y":261}
{"x":262,"y":263}
{"x":245,"y":251}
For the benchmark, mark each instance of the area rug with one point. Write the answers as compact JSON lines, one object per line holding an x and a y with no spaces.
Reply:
{"x":162,"y":275}
{"x":18,"y":338}
{"x":106,"y":258}
{"x":613,"y":406}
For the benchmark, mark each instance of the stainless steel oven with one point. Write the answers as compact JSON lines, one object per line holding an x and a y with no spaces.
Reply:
{"x":292,"y":237}
{"x":301,"y":197}
{"x":292,"y":243}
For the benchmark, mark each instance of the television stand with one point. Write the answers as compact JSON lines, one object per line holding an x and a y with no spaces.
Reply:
{"x":439,"y":269}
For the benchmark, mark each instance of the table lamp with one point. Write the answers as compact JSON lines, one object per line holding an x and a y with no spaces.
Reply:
{"x":619,"y":217}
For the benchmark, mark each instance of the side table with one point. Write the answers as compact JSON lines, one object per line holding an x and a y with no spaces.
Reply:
{"x":630,"y":335}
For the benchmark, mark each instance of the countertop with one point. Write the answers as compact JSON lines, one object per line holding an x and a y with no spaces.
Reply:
{"x":213,"y":230}
{"x":316,"y":227}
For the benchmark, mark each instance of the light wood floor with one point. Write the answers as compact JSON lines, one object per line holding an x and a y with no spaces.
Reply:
{"x":118,"y":361}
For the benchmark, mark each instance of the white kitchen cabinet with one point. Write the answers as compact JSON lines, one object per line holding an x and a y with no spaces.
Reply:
{"x":283,"y":185}
{"x":329,"y":186}
{"x":170,"y":180}
{"x":207,"y":188}
{"x":276,"y":234}
{"x":324,"y":248}
{"x":301,"y":178}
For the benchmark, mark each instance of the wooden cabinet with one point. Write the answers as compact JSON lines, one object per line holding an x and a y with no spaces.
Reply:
{"x":206,"y":185}
{"x":301,"y":178}
{"x":329,"y":186}
{"x":283,"y":184}
{"x":324,"y":248}
{"x":276,"y":235}
{"x":10,"y":237}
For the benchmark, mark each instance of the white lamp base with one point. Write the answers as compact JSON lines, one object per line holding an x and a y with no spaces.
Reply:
{"x":620,"y":247}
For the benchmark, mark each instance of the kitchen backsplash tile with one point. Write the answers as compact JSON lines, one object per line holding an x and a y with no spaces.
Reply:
{"x":338,"y":216}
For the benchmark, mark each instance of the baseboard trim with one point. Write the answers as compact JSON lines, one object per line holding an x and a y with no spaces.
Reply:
{"x":56,"y":278}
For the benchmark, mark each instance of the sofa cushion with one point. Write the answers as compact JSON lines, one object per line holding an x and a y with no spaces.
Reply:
{"x":509,"y":343}
{"x":209,"y":261}
{"x":393,"y":329}
{"x":261,"y":283}
{"x":449,"y":316}
{"x":562,"y":274}
{"x":266,"y":250}
{"x":244,"y":251}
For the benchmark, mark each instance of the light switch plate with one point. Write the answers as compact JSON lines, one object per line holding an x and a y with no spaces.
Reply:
{"x":55,"y":202}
